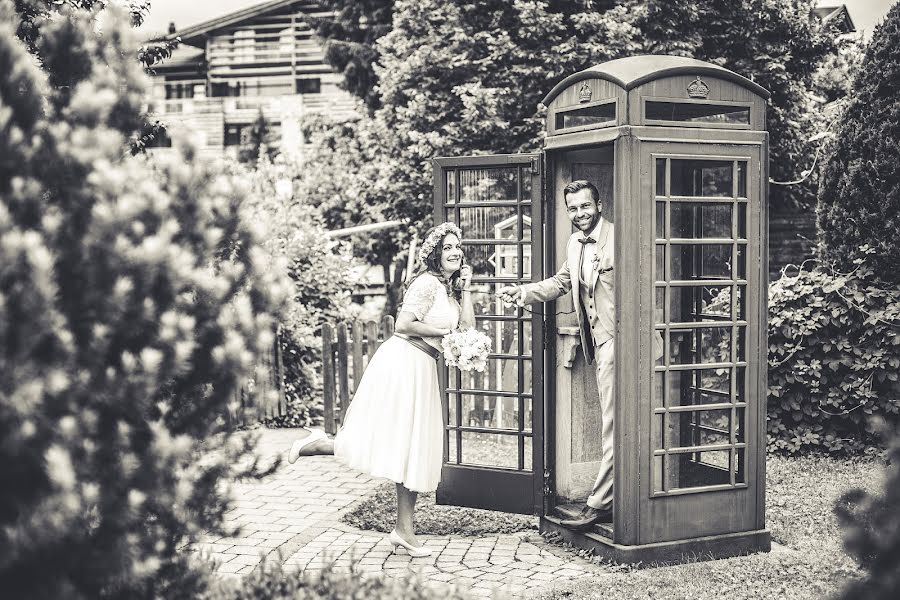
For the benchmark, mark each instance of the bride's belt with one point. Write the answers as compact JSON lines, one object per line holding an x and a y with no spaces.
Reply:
{"x":420,"y":344}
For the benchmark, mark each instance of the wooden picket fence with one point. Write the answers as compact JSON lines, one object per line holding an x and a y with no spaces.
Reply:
{"x":263,"y":397}
{"x":347,"y":349}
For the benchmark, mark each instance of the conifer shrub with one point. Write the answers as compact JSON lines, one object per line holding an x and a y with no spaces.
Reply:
{"x":133,"y":300}
{"x":859,"y":196}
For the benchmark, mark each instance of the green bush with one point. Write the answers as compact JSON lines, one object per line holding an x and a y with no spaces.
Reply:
{"x":132,"y":303}
{"x":320,"y":271}
{"x":834,"y":354}
{"x":859,"y":195}
{"x":272,"y":582}
{"x":871,"y":525}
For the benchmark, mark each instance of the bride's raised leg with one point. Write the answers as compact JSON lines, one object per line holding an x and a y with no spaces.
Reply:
{"x":316,"y":443}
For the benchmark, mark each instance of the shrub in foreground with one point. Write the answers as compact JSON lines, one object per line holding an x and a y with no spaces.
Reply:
{"x":132,"y":302}
{"x":871,"y":525}
{"x":271,"y":582}
{"x":834,"y":359}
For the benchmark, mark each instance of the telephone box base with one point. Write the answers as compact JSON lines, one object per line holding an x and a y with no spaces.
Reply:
{"x":678,"y":551}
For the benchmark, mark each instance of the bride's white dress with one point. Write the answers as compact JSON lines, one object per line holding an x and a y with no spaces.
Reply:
{"x":394,"y":427}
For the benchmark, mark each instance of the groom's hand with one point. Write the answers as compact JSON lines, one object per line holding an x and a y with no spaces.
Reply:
{"x":508,"y":294}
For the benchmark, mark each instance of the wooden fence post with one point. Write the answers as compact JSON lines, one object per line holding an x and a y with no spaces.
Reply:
{"x":372,"y":342}
{"x":387,"y":327}
{"x":358,"y":365}
{"x":343,"y":374}
{"x":328,"y":382}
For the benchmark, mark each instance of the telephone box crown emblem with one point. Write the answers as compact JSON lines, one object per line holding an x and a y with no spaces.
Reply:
{"x":698,"y":88}
{"x":584,"y":93}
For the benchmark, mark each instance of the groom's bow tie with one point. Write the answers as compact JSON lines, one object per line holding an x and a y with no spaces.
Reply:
{"x":587,"y":240}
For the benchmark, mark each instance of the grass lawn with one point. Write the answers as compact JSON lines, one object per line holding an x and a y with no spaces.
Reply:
{"x":799,"y":499}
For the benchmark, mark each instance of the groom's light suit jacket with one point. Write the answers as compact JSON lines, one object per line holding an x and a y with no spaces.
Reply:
{"x":596,"y":319}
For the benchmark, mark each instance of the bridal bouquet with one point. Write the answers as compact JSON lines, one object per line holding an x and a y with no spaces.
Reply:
{"x":467,"y":349}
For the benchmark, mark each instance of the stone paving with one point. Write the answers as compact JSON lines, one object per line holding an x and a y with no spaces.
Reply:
{"x":294,"y":516}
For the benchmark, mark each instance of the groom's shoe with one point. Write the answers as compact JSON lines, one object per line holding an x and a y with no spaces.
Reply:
{"x":588,"y":518}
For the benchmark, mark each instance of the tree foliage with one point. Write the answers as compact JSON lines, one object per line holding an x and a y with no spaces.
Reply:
{"x":321,"y":274}
{"x":350,"y":34}
{"x":462,"y":77}
{"x":834,"y":355}
{"x":132,"y":303}
{"x":859,"y":201}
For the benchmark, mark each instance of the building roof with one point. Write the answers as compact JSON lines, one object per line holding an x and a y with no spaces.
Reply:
{"x":633,"y":71}
{"x":195,"y":34}
{"x":837,"y":14}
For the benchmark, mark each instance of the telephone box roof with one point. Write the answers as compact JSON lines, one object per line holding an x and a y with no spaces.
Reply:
{"x":633,"y":71}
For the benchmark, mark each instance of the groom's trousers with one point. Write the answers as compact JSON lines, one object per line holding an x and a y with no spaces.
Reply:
{"x":604,"y":360}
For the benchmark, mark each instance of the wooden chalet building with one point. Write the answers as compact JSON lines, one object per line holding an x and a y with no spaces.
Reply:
{"x":229,"y":69}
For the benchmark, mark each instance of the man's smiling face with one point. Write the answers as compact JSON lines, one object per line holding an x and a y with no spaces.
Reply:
{"x":583,"y":210}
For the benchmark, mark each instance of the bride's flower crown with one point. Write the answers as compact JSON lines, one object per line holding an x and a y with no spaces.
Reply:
{"x":434,"y":238}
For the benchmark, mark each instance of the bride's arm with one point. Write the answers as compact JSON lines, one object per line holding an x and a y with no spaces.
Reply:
{"x":408,"y":324}
{"x":467,"y":311}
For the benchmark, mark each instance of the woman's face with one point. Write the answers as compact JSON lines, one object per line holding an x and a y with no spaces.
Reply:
{"x":451,"y":254}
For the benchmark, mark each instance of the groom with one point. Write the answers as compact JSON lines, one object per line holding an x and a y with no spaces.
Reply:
{"x":588,"y":274}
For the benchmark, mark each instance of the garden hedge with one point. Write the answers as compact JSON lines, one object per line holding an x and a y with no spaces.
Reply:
{"x":834,"y":354}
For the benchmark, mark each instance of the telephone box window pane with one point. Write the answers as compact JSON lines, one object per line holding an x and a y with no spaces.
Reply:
{"x":710,"y":178}
{"x":741,"y":261}
{"x":700,"y":220}
{"x":658,"y":388}
{"x":490,"y":450}
{"x":526,"y":224}
{"x":690,"y":112}
{"x":486,"y":302}
{"x":660,"y":304}
{"x":504,"y":335}
{"x":590,"y":115}
{"x":660,"y":220}
{"x":452,"y":455}
{"x":698,"y":469}
{"x":742,"y":180}
{"x":741,"y":304}
{"x":657,"y":438}
{"x":481,"y":410}
{"x":739,"y":384}
{"x":742,"y":221}
{"x":526,"y":184}
{"x":700,"y":345}
{"x":701,"y":261}
{"x":526,"y":405}
{"x":450,"y":192}
{"x":741,"y":344}
{"x":526,"y":442}
{"x":526,"y":335}
{"x":660,"y":262}
{"x":500,"y":375}
{"x":660,"y":177}
{"x":657,"y":474}
{"x":698,"y":428}
{"x":696,"y":387}
{"x":699,"y":303}
{"x":739,"y":426}
{"x":451,"y":410}
{"x":740,"y":471}
{"x":490,"y":223}
{"x":488,"y":185}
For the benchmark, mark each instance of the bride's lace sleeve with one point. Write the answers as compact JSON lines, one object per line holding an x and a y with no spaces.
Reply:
{"x":420,"y":295}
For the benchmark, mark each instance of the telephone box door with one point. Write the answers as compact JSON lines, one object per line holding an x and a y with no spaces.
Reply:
{"x":493,"y":435}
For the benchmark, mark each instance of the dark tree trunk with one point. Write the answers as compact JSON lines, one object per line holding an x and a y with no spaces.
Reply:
{"x":392,"y":286}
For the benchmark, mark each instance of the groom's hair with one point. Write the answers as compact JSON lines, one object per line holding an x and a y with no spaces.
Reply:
{"x":581,"y":184}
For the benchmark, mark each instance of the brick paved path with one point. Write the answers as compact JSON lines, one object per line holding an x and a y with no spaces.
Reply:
{"x":294,"y":516}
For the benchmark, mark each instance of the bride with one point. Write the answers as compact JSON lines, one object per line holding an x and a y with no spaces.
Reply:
{"x":394,"y":427}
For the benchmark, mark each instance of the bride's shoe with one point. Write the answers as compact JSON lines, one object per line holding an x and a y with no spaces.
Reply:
{"x":297,"y":447}
{"x":415,"y":552}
